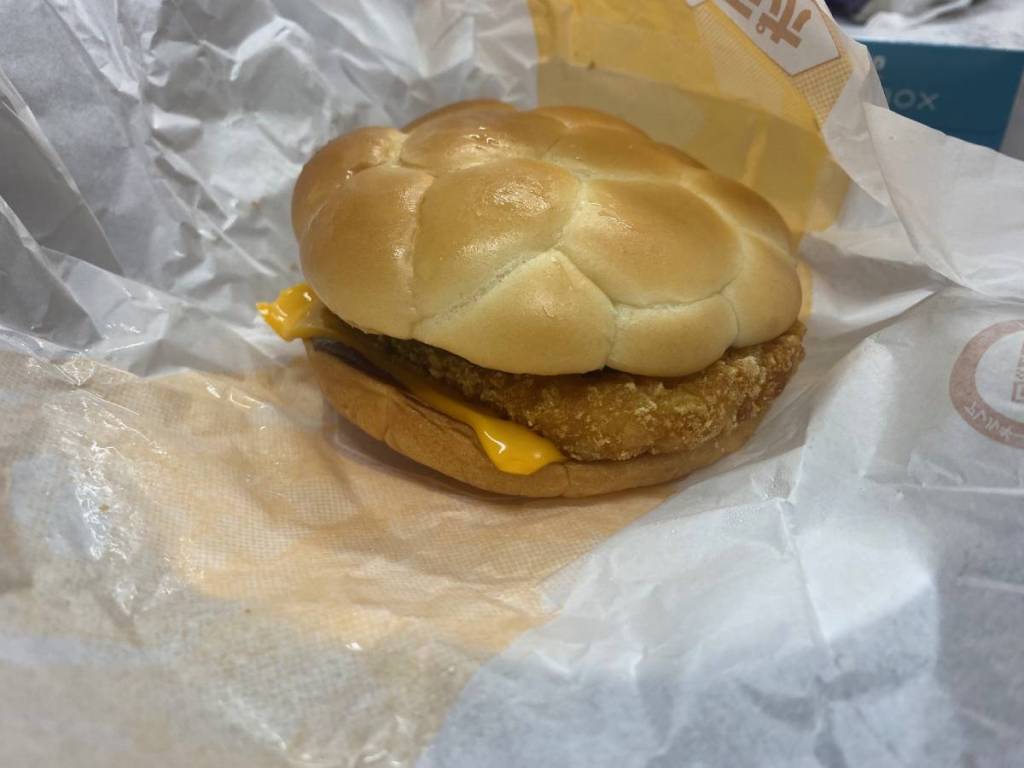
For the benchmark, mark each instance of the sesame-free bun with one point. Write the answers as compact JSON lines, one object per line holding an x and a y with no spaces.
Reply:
{"x":431,"y":438}
{"x":557,"y":240}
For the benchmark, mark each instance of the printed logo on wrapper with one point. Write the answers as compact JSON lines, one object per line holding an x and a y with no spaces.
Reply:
{"x":792,"y":33}
{"x":987,"y":383}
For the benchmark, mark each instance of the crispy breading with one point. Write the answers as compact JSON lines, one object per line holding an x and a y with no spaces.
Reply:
{"x":608,"y":414}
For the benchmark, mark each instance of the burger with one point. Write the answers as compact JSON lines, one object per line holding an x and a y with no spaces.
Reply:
{"x":540,"y":303}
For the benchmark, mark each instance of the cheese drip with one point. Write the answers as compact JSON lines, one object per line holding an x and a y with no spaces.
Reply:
{"x":297,"y":313}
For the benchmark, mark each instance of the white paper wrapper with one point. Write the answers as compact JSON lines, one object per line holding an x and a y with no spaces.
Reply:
{"x":191,"y":575}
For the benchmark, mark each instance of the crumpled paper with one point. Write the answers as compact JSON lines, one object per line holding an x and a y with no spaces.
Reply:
{"x":199,"y":565}
{"x":988,"y":24}
{"x":912,"y":11}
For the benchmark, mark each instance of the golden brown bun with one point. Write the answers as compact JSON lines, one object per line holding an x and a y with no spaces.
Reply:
{"x":559,"y":240}
{"x":428,"y":437}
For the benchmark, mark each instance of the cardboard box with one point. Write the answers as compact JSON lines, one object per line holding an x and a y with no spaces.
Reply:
{"x":971,"y":92}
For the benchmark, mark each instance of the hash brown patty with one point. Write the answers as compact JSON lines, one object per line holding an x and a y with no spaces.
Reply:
{"x":611,"y":415}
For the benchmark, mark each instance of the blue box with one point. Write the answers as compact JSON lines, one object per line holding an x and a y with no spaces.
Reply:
{"x":975,"y":94}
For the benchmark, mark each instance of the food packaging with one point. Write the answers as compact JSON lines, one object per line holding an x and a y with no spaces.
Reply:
{"x":201,"y":566}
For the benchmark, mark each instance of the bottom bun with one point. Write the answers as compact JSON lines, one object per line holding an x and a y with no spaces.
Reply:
{"x":433,"y":439}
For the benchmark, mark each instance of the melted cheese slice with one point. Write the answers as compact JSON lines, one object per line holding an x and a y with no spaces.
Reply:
{"x":297,"y":313}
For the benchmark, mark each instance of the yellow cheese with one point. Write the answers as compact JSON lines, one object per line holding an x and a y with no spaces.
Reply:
{"x":297,"y":313}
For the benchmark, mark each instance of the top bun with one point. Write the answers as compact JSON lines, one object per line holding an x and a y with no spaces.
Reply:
{"x":559,"y":240}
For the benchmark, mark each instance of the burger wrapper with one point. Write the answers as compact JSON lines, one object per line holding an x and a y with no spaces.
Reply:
{"x":201,"y":566}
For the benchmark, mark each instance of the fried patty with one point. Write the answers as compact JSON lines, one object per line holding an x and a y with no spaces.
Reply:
{"x":609,"y":414}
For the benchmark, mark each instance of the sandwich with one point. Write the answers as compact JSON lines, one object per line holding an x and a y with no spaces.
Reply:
{"x":540,"y":303}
